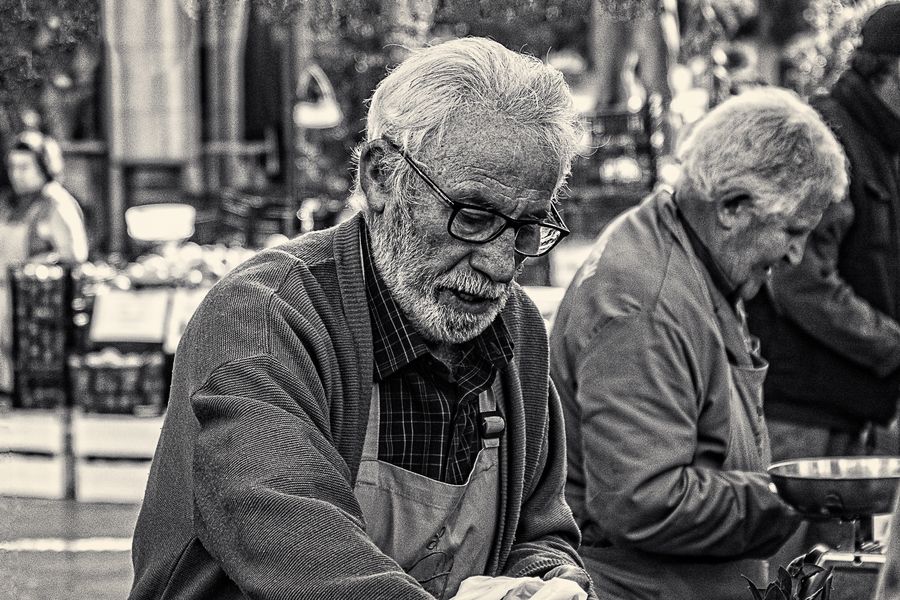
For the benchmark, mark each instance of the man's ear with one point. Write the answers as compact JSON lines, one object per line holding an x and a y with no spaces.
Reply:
{"x":373,"y":176}
{"x":732,"y":207}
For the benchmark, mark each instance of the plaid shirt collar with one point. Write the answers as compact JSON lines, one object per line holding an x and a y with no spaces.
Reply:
{"x":396,"y":343}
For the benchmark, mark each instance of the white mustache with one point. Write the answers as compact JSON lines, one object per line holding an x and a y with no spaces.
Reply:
{"x":474,"y":286}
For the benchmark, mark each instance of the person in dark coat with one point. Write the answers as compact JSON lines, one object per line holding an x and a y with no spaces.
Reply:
{"x":830,"y":325}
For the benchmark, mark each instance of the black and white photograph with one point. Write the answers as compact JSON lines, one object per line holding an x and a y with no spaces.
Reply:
{"x":449,"y":299}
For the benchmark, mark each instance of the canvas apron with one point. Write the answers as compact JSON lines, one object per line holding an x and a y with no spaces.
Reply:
{"x":748,"y":451}
{"x":14,"y":246}
{"x":437,"y":532}
{"x":625,"y":574}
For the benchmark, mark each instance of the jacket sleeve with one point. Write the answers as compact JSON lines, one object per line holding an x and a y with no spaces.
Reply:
{"x":272,"y":499}
{"x":641,"y":394}
{"x":815,"y":297}
{"x":547,"y":535}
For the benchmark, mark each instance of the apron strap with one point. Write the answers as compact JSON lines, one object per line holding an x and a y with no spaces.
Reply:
{"x":373,"y":426}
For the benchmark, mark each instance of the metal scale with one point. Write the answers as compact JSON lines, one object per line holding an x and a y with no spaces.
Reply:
{"x":849,"y":491}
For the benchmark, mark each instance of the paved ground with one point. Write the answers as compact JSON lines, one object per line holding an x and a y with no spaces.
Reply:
{"x":65,"y":550}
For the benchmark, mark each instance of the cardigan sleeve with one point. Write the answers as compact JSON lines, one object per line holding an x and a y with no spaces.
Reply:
{"x":547,"y":535}
{"x":273,"y":502}
{"x":273,"y":499}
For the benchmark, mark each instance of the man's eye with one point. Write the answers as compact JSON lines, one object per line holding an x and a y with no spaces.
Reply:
{"x":474,"y":217}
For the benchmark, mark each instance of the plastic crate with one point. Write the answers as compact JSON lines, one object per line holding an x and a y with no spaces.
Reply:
{"x":46,"y":390}
{"x":248,"y":219}
{"x":621,"y":128}
{"x":42,"y":317}
{"x":112,"y":382}
{"x":622,"y":148}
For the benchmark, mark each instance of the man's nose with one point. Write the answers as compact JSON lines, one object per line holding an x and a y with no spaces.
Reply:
{"x":497,"y":259}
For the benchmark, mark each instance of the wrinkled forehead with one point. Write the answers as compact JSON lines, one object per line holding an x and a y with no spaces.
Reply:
{"x":801,"y":213}
{"x":482,"y":141}
{"x":809,"y":211}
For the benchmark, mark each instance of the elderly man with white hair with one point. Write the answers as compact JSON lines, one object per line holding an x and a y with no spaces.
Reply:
{"x":659,"y":378}
{"x":366,"y":411}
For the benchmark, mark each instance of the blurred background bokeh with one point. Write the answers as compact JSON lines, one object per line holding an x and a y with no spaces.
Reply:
{"x":195,"y":132}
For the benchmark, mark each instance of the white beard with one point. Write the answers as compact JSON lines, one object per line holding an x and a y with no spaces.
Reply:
{"x":397,"y":251}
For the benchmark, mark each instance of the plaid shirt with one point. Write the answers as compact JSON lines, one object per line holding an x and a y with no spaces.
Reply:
{"x":429,"y":414}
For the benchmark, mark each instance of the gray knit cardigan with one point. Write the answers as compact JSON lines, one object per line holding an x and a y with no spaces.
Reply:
{"x":251,"y":488}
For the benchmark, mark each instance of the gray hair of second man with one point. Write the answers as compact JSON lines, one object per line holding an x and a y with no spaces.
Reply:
{"x":413,"y":104}
{"x":768,"y":141}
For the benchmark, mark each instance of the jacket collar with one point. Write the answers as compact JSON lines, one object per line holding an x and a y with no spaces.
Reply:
{"x":857,"y":97}
{"x":716,"y":274}
{"x":725,"y":303}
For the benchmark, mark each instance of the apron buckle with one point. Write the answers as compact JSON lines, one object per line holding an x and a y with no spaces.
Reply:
{"x":492,"y":424}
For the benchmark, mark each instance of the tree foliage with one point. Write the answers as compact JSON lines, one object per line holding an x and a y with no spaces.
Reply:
{"x":38,"y":39}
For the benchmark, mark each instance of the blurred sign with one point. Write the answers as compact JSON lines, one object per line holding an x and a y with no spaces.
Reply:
{"x":184,"y":302}
{"x":130,"y":316}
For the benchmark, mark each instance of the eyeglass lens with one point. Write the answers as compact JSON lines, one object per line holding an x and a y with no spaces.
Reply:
{"x":473,"y":225}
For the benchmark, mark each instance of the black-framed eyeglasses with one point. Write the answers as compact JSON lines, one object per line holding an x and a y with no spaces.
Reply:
{"x":480,"y":224}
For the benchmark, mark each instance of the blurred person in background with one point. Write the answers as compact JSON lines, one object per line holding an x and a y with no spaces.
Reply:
{"x":651,"y":29}
{"x":830,"y":325}
{"x":365,"y":411}
{"x":636,"y":43}
{"x":48,"y":215}
{"x":39,"y":220}
{"x":661,"y":383}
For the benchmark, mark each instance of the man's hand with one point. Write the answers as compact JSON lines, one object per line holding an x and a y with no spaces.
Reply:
{"x":572,"y":573}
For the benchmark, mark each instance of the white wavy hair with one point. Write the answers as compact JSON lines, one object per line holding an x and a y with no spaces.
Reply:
{"x":770,"y":141}
{"x":413,"y":103}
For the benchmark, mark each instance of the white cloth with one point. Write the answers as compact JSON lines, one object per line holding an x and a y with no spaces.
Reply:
{"x":519,"y":588}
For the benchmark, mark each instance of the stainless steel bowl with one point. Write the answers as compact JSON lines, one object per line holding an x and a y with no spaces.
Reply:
{"x":842,"y":487}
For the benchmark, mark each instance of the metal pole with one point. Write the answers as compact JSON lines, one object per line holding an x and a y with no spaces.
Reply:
{"x":68,"y":455}
{"x":287,"y":111}
{"x":111,"y":98}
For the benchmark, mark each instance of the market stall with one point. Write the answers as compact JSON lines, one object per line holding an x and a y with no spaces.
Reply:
{"x":93,"y":350}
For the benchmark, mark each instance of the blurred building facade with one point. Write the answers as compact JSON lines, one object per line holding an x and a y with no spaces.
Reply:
{"x":249,"y":109}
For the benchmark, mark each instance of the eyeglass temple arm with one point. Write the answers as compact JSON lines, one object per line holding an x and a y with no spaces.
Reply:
{"x":558,"y":217}
{"x":412,"y":164}
{"x":440,"y":193}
